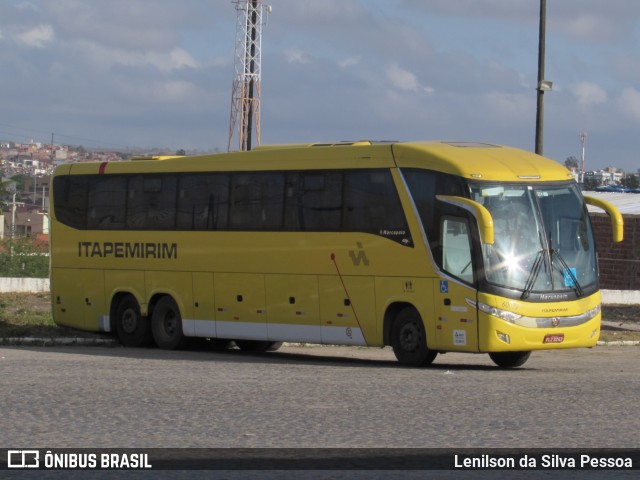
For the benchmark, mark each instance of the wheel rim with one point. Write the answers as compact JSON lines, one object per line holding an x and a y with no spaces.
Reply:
{"x":129,"y":320}
{"x":410,"y":337}
{"x":169,"y":323}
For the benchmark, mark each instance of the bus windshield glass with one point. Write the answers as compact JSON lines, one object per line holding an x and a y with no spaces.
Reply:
{"x":543,"y":238}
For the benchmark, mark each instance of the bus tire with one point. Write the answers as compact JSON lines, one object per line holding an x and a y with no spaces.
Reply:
{"x":132,"y":328}
{"x":166,"y":325}
{"x":509,"y":359}
{"x":257,"y":345}
{"x":409,"y":340}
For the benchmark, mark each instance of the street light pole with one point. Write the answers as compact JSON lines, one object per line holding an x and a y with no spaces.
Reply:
{"x":541,"y":81}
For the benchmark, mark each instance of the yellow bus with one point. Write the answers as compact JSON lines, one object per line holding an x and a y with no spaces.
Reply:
{"x":427,"y":247}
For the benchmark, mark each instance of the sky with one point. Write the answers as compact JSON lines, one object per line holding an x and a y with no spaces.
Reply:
{"x":158,"y":73}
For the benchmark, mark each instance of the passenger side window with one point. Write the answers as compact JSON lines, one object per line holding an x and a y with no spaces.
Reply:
{"x":456,"y":248}
{"x":152,"y":202}
{"x":203,"y":202}
{"x":107,"y":202}
{"x":424,"y":185}
{"x":256,"y":201}
{"x":371,"y":204}
{"x":70,"y":200}
{"x":322,"y":201}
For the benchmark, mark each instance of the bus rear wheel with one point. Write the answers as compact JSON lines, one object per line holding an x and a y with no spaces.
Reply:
{"x":166,"y":325}
{"x":409,"y":340}
{"x":132,"y":328}
{"x":509,"y":359}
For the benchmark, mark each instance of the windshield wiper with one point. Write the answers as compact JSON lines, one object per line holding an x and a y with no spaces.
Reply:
{"x":567,"y":271}
{"x":565,"y":268}
{"x":533,"y":275}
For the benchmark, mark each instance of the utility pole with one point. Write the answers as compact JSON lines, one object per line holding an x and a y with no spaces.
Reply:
{"x":245,"y":94}
{"x":543,"y":85}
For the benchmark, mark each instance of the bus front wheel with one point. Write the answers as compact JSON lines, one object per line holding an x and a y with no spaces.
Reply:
{"x":409,"y":340}
{"x":166,"y":325}
{"x":132,"y":328}
{"x":509,"y":359}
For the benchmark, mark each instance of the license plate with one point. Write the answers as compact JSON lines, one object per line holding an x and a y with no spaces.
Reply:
{"x":554,"y":338}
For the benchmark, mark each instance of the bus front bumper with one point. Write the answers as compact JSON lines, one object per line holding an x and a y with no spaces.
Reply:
{"x":502,"y":336}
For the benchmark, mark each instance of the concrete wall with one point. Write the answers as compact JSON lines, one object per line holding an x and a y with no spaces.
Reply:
{"x":24,"y":285}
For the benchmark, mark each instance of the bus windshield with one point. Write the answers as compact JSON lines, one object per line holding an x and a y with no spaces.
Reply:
{"x":543,"y":238}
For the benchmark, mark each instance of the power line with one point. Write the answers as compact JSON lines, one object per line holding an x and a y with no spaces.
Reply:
{"x":32,"y":132}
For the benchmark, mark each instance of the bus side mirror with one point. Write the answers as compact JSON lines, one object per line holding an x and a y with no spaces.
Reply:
{"x":480,"y":213}
{"x":617,"y":223}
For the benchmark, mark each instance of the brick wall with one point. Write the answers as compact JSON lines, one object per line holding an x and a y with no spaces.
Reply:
{"x":619,"y":262}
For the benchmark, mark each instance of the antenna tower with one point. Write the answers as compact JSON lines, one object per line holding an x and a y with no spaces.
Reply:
{"x":583,"y":140}
{"x":245,"y":93}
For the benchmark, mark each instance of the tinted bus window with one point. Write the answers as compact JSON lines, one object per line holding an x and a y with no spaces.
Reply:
{"x":322,"y":201}
{"x":107,"y":202}
{"x":70,"y":200}
{"x":371,"y":203}
{"x":151,"y":203}
{"x":256,"y":201}
{"x":203,"y":202}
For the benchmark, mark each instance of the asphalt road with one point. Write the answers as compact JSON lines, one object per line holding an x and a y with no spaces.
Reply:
{"x":101,"y":397}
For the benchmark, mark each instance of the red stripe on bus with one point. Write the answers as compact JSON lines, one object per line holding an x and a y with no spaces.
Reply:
{"x":102,"y":168}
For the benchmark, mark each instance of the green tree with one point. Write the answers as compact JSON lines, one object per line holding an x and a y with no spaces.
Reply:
{"x":21,"y":258}
{"x":5,"y":194}
{"x":21,"y":180}
{"x":571,"y":163}
{"x":631,"y":181}
{"x":590,"y":184}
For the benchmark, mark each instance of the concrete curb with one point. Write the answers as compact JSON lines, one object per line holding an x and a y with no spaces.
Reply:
{"x":620,"y":343}
{"x":621,"y":326}
{"x":58,"y":341}
{"x":112,"y":342}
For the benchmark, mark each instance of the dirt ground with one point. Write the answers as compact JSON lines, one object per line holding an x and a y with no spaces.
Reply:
{"x":624,"y":313}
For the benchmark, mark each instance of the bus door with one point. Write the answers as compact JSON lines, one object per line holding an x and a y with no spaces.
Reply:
{"x":455,"y":297}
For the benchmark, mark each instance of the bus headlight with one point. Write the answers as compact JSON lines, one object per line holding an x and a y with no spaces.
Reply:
{"x":498,"y":312}
{"x":540,"y":322}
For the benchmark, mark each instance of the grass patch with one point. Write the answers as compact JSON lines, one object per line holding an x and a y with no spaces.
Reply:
{"x":618,"y":336}
{"x":25,"y":314}
{"x":29,"y":315}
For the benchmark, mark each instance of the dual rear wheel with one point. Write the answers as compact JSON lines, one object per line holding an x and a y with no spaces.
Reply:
{"x":132,"y":328}
{"x":164,"y":327}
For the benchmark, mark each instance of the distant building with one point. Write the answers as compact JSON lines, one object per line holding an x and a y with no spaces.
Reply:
{"x":607,"y":176}
{"x":28,"y":224}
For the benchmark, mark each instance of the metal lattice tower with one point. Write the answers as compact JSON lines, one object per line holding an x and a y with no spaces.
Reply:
{"x":245,"y":94}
